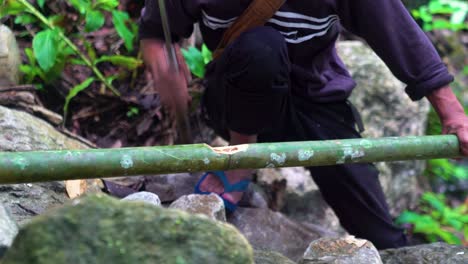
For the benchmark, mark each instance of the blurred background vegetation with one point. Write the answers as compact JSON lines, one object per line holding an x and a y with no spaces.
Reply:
{"x":90,"y":47}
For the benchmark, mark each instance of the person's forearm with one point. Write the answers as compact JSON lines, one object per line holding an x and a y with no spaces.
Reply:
{"x":445,"y":103}
{"x":150,"y":49}
{"x":452,"y":115}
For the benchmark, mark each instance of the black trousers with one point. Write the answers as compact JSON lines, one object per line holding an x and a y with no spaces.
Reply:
{"x":248,"y":91}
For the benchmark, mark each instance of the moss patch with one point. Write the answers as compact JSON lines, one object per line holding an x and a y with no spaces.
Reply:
{"x":100,"y":229}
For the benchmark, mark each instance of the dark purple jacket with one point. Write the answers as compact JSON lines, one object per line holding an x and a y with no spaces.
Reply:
{"x":311,"y":29}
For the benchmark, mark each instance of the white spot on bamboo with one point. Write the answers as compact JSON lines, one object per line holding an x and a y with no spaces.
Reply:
{"x":350,"y":153}
{"x":206,"y":160}
{"x":279,"y":159}
{"x":126,"y":162}
{"x":21,"y":162}
{"x":304,"y":155}
{"x":365,"y":143}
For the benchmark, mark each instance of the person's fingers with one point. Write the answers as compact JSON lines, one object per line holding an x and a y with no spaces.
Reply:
{"x":463,"y":139}
{"x":460,"y":129}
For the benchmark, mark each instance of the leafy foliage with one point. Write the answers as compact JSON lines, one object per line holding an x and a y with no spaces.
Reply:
{"x":437,"y":221}
{"x":54,"y":36}
{"x":197,"y":59}
{"x":434,"y":15}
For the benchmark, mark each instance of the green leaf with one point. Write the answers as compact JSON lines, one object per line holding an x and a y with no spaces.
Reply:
{"x":74,"y":91}
{"x":78,"y":62}
{"x":25,"y":19}
{"x":94,"y":20}
{"x":207,"y":55}
{"x":120,"y":19}
{"x":465,"y":232}
{"x":30,"y":55}
{"x":45,"y":48}
{"x":41,"y":3}
{"x":11,"y":7}
{"x":448,"y":237}
{"x":436,"y":201}
{"x":408,"y":217}
{"x":81,"y":5}
{"x":130,"y":63}
{"x":195,"y":61}
{"x":108,"y":5}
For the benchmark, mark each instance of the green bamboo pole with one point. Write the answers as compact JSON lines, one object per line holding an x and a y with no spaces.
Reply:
{"x":37,"y":166}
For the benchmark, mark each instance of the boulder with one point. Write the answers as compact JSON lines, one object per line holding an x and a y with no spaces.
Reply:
{"x":387,"y":111}
{"x":211,"y":205}
{"x":101,"y":229}
{"x":145,"y":197}
{"x":302,"y":200}
{"x":20,"y":131}
{"x":347,"y":250}
{"x":272,"y":231}
{"x":270,"y":257}
{"x":9,"y":57}
{"x":428,"y":253}
{"x":8,"y":230}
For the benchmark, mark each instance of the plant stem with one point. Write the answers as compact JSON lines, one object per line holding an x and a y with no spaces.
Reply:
{"x":44,"y":20}
{"x":36,"y":166}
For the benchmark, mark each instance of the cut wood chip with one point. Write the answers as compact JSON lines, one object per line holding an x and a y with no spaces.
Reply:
{"x":75,"y":188}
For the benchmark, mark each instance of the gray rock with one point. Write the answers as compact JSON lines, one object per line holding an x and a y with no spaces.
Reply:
{"x":101,"y":229}
{"x":302,"y":200}
{"x":347,"y":250}
{"x":298,"y":179}
{"x":436,"y":253}
{"x":211,"y":205}
{"x":20,"y":131}
{"x":272,"y":231}
{"x":146,"y":197}
{"x":8,"y":230}
{"x":270,"y":257}
{"x":9,"y":57}
{"x":311,"y":208}
{"x":387,"y":111}
{"x":255,"y":197}
{"x":169,"y":187}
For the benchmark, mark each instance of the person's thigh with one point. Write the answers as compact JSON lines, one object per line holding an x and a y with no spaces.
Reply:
{"x":246,"y":87}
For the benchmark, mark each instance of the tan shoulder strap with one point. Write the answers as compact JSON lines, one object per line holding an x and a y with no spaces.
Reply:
{"x":257,"y":14}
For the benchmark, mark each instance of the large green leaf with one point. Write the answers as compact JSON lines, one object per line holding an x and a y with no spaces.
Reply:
{"x":436,"y":201}
{"x":11,"y":7}
{"x":120,"y":19}
{"x":81,"y":5}
{"x":25,"y":19}
{"x":129,"y":62}
{"x":108,"y":5}
{"x":41,"y":3}
{"x":195,"y":61}
{"x":207,"y":54}
{"x":94,"y":20}
{"x":45,"y":48}
{"x":74,"y":91}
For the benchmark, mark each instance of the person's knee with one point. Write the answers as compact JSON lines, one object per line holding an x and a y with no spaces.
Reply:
{"x":259,"y":60}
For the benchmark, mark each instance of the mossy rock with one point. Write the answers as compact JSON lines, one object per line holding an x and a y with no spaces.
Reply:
{"x":100,"y":229}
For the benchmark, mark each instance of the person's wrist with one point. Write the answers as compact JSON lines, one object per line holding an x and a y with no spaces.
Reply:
{"x":446,"y":104}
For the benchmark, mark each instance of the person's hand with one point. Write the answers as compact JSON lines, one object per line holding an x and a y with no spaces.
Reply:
{"x":457,"y":125}
{"x":451,"y":115}
{"x":170,"y":84}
